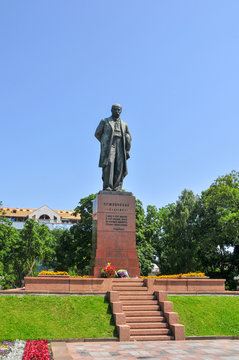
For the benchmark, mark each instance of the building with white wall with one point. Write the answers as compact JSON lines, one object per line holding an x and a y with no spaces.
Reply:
{"x":44,"y":215}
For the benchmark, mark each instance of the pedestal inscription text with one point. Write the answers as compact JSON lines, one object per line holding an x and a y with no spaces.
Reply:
{"x":117,"y":221}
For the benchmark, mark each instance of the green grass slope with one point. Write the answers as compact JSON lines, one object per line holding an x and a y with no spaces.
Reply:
{"x":208,"y":315}
{"x":54,"y":317}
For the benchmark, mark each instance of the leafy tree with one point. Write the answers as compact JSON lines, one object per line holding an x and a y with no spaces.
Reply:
{"x":144,"y":248}
{"x":220,"y":226}
{"x":9,"y":237}
{"x":156,"y":220}
{"x":83,"y":231}
{"x":19,"y":251}
{"x":64,"y":251}
{"x":146,"y":257}
{"x":180,"y":235}
{"x":38,"y":244}
{"x":150,"y":244}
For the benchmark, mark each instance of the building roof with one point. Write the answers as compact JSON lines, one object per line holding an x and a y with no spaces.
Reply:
{"x":15,"y":212}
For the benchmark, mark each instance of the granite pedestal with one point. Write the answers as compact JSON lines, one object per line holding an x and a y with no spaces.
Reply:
{"x":114,"y":238}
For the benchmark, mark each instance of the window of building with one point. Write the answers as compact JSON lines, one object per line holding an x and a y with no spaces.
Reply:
{"x":44,"y":217}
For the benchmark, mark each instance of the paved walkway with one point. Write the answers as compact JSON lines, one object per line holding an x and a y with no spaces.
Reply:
{"x":165,"y":350}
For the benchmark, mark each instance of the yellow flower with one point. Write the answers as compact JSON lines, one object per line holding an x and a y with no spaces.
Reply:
{"x":174,"y":276}
{"x":53,"y":273}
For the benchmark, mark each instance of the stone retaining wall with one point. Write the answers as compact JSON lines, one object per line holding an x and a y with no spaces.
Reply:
{"x":186,"y":285}
{"x":66,"y":284}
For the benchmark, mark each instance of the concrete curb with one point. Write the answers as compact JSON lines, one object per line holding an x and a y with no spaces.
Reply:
{"x":212,"y":337}
{"x":83,"y":340}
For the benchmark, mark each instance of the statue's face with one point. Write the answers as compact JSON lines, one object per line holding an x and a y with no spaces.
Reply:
{"x":116,"y":111}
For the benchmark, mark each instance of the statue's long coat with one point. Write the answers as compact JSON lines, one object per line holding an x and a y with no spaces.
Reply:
{"x":104,"y":133}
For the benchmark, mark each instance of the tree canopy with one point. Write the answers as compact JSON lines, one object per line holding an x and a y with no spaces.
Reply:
{"x":219,"y":226}
{"x":20,"y":250}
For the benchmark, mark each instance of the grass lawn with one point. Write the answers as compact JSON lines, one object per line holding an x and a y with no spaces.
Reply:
{"x":54,"y":317}
{"x":208,"y":315}
{"x":59,"y":317}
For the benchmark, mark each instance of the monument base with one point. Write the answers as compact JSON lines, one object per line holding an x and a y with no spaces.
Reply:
{"x":113,"y":235}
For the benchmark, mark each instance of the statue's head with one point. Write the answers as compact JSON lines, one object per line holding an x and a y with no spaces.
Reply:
{"x":116,"y":110}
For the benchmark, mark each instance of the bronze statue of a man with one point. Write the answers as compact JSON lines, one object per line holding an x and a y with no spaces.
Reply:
{"x":115,"y":139}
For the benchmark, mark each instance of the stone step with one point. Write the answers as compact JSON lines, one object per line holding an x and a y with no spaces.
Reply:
{"x":145,"y":332}
{"x":123,"y":281}
{"x":151,"y":337}
{"x":143,"y":313}
{"x":148,"y":325}
{"x":133,"y":285}
{"x":145,"y":319}
{"x":137,"y":302}
{"x":129,"y":288}
{"x":137,"y":307}
{"x":139,"y":297}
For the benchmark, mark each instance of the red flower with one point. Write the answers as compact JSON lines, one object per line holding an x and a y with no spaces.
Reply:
{"x":36,"y":350}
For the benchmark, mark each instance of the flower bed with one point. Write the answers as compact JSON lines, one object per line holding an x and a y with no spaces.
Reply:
{"x":177,"y":276}
{"x":5,"y":348}
{"x":10,"y":350}
{"x":53,"y":273}
{"x":110,"y":271}
{"x":36,"y":350}
{"x":20,"y":350}
{"x":82,"y":277}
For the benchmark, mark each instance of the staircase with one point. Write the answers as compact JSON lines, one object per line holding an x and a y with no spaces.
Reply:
{"x":142,"y":311}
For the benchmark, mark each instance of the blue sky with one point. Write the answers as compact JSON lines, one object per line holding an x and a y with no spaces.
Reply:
{"x":173,"y":65}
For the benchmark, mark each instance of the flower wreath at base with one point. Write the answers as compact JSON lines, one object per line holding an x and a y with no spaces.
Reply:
{"x":122,"y":273}
{"x":110,"y":271}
